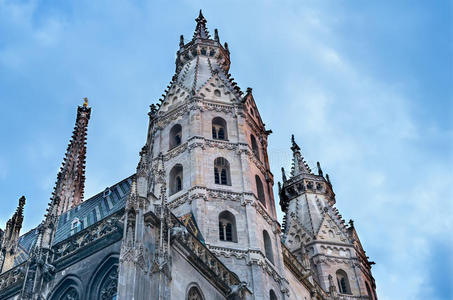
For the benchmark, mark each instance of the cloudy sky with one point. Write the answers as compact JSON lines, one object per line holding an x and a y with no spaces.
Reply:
{"x":366,"y":87}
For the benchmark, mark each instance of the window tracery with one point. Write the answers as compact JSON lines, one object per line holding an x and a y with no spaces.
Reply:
{"x":219,"y":129}
{"x":70,"y":294}
{"x":227,"y":227}
{"x":194,"y":294}
{"x":176,"y":179}
{"x":222,"y":171}
{"x":109,"y":287}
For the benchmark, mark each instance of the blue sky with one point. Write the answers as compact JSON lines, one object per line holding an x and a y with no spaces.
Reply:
{"x":366,"y":87}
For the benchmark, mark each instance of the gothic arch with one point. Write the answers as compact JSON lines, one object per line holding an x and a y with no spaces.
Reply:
{"x":227,"y":227}
{"x":268,"y":246}
{"x":175,"y":136}
{"x":343,"y":282}
{"x":69,"y":286}
{"x":176,"y":182}
{"x":272,"y":295}
{"x":222,"y":171}
{"x":255,"y":148}
{"x":368,"y":290}
{"x":219,"y":129}
{"x":193,"y":292}
{"x":104,"y":281}
{"x":260,"y":190}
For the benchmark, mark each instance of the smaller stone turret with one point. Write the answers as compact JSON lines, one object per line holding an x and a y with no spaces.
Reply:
{"x":314,"y":227}
{"x":10,"y":238}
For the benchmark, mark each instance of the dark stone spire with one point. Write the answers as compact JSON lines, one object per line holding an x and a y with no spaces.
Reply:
{"x":70,"y":183}
{"x":216,"y":36}
{"x":181,"y":41}
{"x":10,"y":239}
{"x":299,"y":166}
{"x":201,"y":31}
{"x":283,"y":175}
{"x":320,"y":173}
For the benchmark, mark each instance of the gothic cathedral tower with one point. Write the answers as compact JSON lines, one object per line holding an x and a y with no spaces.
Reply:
{"x":314,"y":231}
{"x":206,"y":153}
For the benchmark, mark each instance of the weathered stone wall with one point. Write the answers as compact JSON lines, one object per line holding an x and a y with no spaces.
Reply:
{"x":83,"y":272}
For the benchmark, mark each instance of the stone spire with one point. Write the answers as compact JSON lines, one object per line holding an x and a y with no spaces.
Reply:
{"x":14,"y":225}
{"x":10,"y":238}
{"x":299,"y":166}
{"x":70,"y":183}
{"x":201,"y":32}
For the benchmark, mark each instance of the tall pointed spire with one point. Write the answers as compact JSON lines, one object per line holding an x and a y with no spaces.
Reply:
{"x":201,"y":31}
{"x":299,"y":166}
{"x":70,"y":183}
{"x":10,"y":239}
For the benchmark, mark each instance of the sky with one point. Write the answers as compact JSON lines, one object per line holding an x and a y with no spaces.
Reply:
{"x":366,"y":87}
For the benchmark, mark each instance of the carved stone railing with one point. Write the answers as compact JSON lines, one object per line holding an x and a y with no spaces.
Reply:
{"x":349,"y":297}
{"x":293,"y":264}
{"x":302,"y":273}
{"x":206,"y":260}
{"x":101,"y":230}
{"x":12,"y":278}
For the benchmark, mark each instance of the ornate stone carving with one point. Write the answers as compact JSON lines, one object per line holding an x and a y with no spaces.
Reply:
{"x":110,"y":285}
{"x":12,"y":277}
{"x":88,"y":236}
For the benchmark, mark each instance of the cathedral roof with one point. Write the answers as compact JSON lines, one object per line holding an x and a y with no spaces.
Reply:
{"x":98,"y":207}
{"x":26,"y":242}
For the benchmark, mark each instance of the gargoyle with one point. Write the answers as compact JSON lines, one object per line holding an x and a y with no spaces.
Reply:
{"x":179,"y":232}
{"x":236,"y":291}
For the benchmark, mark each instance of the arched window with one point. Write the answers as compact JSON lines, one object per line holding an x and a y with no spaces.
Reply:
{"x":176,"y":180}
{"x":219,"y":129}
{"x":194,"y":294}
{"x":268,"y":246}
{"x":260,"y":190}
{"x":272,"y":295}
{"x":175,"y":136}
{"x":227,"y":227}
{"x":255,"y":149}
{"x":70,"y":294}
{"x":222,"y":171}
{"x":104,"y":281}
{"x":343,"y":282}
{"x":368,"y":290}
{"x":67,"y":290}
{"x":109,"y":286}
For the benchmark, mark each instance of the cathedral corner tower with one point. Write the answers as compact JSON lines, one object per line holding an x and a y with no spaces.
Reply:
{"x":314,"y":228}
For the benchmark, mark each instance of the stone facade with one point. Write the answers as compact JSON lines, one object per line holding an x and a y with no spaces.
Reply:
{"x":198,"y":218}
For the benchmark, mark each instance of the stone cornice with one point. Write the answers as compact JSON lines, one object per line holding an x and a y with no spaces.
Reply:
{"x":12,"y":280}
{"x":99,"y":235}
{"x":323,"y":258}
{"x":319,"y":242}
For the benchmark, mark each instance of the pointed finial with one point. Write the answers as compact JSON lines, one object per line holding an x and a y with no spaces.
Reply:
{"x":200,"y":15}
{"x":201,"y":31}
{"x":351,"y":223}
{"x":328,"y":179}
{"x":85,"y":102}
{"x":226,"y":46}
{"x":181,"y":41}
{"x":20,"y":207}
{"x":283,"y":175}
{"x":294,"y":146}
{"x":216,"y":35}
{"x":319,"y":169}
